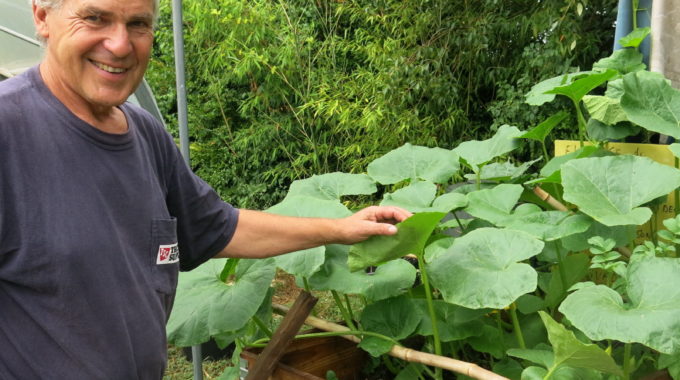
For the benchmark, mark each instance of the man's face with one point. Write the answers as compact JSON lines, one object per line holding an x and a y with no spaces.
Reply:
{"x":97,"y":50}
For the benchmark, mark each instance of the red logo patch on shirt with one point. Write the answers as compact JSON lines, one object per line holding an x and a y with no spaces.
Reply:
{"x":167,"y":254}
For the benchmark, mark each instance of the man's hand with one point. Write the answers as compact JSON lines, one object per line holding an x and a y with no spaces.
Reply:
{"x":374,"y":220}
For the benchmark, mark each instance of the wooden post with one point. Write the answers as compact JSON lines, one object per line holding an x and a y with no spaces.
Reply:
{"x":294,"y":319}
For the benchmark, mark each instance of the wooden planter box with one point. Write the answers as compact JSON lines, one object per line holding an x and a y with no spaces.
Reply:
{"x":312,"y":358}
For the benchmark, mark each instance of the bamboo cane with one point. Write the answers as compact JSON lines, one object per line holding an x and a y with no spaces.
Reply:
{"x":557,"y":205}
{"x":469,"y":369}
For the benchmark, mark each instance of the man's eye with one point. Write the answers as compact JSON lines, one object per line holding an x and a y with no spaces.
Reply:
{"x":92,"y":18}
{"x":139,"y":24}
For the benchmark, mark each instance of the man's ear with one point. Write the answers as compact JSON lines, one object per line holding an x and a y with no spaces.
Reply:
{"x":40,"y":21}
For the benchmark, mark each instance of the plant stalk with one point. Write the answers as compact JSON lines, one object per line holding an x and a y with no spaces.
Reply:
{"x":430,"y":309}
{"x":262,"y":326}
{"x":345,"y":314}
{"x":560,"y":267}
{"x":581,"y":123}
{"x":349,"y":308}
{"x":516,"y":327}
{"x":626,"y":361}
{"x":263,"y":342}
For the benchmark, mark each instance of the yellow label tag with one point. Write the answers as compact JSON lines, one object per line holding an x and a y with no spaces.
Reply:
{"x":658,"y":153}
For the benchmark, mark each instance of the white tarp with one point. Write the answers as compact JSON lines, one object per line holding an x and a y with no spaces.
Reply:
{"x":665,"y":54}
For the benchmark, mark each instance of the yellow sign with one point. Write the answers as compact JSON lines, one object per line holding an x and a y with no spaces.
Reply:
{"x":658,"y":153}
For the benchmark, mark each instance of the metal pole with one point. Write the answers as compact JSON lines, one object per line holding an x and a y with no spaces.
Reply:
{"x":178,"y":34}
{"x":180,"y":79}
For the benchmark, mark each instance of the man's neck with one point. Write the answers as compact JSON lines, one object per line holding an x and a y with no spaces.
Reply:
{"x":109,"y":119}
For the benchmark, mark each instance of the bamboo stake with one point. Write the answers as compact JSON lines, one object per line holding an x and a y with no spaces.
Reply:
{"x":469,"y":369}
{"x":557,"y":205}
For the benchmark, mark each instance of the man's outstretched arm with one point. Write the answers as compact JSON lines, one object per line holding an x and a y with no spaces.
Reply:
{"x":259,"y":234}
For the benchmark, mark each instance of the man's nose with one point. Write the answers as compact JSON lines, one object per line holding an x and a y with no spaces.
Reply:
{"x":118,"y":41}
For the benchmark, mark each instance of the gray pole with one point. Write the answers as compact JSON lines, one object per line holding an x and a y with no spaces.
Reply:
{"x":196,"y":356}
{"x":181,"y":81}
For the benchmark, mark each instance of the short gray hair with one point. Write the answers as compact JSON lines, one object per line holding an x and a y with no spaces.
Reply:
{"x":55,"y":4}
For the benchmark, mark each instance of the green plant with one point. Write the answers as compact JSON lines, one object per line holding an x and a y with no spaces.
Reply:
{"x":281,"y":90}
{"x":518,"y":287}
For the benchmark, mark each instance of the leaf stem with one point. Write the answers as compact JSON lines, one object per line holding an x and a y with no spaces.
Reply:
{"x":349,"y":308}
{"x":516,"y":327}
{"x":262,"y":326}
{"x":430,"y":309}
{"x":581,"y":122}
{"x":626,"y":361}
{"x":560,"y":267}
{"x":345,"y":314}
{"x":263,"y":342}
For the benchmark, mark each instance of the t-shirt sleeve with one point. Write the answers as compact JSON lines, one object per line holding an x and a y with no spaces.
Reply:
{"x":205,"y":223}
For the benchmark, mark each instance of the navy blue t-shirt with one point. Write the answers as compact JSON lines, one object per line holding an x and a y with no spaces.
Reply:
{"x":93,"y":230}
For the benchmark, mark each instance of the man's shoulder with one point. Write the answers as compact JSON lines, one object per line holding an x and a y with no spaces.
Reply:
{"x":14,"y":90}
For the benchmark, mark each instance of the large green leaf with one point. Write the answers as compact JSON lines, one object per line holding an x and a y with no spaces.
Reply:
{"x":599,"y":131}
{"x":635,"y":38}
{"x":306,"y":262}
{"x":556,"y":163}
{"x":388,"y":280}
{"x":205,"y":306}
{"x":476,"y":153}
{"x":547,"y":225}
{"x":605,"y":109}
{"x":454,"y":322}
{"x":577,"y":89}
{"x":448,"y":202}
{"x":414,"y":162}
{"x":571,"y":352}
{"x":541,"y":356}
{"x":481,"y":269}
{"x":574,"y":268}
{"x":541,"y":131}
{"x":494,"y":205}
{"x":501,"y":171}
{"x":561,"y":373}
{"x":623,"y":60}
{"x":332,"y":186}
{"x":611,"y":189}
{"x":648,"y":316}
{"x":622,"y":235}
{"x":539,"y":92}
{"x":416,"y":197}
{"x":411,"y":237}
{"x":396,"y":318}
{"x":651,"y":102}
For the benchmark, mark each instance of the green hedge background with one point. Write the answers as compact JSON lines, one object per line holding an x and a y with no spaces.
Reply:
{"x":282,"y":90}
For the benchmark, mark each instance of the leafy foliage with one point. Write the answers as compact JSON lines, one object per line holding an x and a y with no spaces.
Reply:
{"x":279,"y":91}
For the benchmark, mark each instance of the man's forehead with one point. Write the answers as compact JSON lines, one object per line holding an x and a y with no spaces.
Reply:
{"x":130,"y":8}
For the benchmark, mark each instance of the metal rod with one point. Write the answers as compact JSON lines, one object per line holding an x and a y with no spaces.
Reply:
{"x":20,"y":36}
{"x":197,"y":361}
{"x":178,"y":37}
{"x":180,"y":79}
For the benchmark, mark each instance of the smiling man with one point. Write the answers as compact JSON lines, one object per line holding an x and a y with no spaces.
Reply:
{"x":98,"y":211}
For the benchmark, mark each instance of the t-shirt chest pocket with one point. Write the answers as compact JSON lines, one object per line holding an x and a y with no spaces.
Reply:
{"x":164,"y":254}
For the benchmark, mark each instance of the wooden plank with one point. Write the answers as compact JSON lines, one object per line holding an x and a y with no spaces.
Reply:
{"x":282,"y":338}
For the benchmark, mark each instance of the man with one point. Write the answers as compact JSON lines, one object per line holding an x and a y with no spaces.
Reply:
{"x":95,"y":204}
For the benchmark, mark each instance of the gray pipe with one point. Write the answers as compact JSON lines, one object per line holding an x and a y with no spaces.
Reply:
{"x":180,"y":79}
{"x":196,"y":357}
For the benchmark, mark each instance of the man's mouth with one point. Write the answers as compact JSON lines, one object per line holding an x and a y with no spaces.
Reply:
{"x":110,"y":69}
